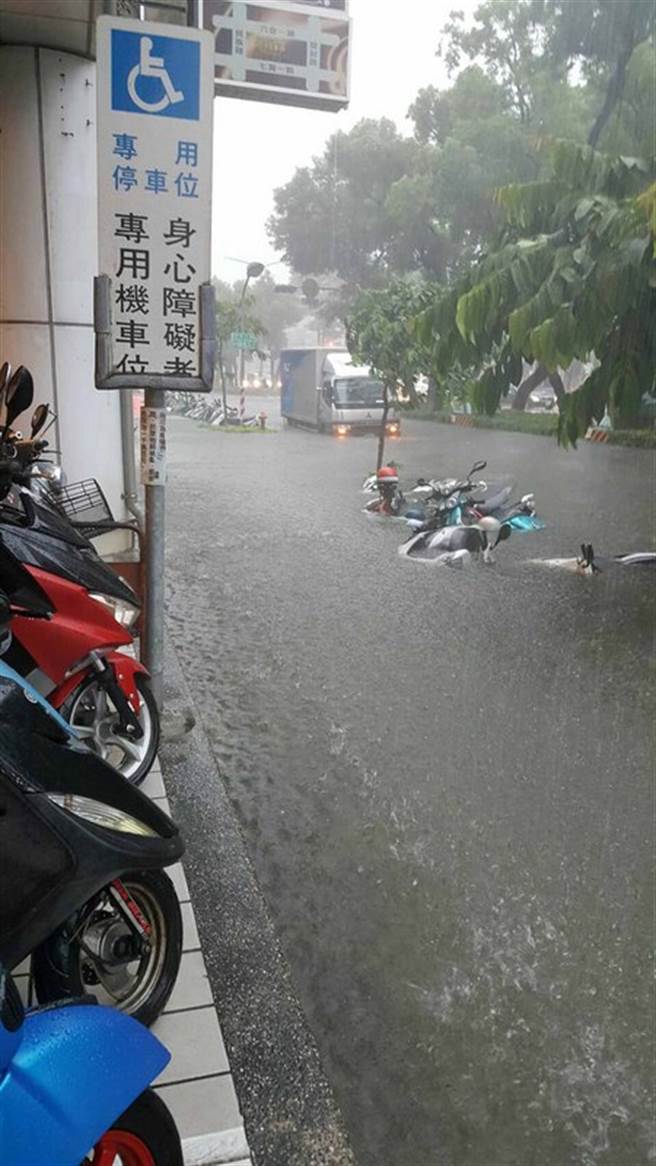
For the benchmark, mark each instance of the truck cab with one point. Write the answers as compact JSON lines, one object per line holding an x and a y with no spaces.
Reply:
{"x":350,"y":398}
{"x":324,"y":389}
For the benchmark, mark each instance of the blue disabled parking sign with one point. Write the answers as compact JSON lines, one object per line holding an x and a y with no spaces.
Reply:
{"x":155,"y":75}
{"x":155,"y":87}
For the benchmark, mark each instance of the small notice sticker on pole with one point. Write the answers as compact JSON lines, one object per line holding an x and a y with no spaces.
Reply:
{"x":153,"y":447}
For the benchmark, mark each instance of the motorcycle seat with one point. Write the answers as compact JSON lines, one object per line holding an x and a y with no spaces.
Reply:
{"x":489,"y":505}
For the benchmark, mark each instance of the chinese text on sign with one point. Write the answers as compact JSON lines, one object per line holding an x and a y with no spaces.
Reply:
{"x":154,"y":192}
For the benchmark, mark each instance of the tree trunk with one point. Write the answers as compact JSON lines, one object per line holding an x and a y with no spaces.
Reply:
{"x":383,"y":426}
{"x":412,"y":394}
{"x":433,"y":398}
{"x":223,"y":382}
{"x":558,"y":387}
{"x":613,"y":94}
{"x":529,"y":383}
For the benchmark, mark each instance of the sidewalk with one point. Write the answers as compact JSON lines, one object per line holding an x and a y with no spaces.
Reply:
{"x":197,"y":1083}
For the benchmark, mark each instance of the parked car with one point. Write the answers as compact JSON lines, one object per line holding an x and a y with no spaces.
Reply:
{"x":542,"y":399}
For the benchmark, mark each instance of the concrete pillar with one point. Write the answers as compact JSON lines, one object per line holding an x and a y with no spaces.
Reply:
{"x":48,"y":253}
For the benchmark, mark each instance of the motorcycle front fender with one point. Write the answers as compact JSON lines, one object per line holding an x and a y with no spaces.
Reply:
{"x":126,"y":668}
{"x":75,"y":1071}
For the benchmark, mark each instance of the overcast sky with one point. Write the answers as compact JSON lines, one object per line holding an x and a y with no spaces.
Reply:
{"x":257,"y":146}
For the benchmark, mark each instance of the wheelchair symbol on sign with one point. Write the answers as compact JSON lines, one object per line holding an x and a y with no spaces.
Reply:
{"x":150,"y":66}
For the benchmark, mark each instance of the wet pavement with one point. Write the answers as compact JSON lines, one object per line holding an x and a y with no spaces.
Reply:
{"x":443,"y":780}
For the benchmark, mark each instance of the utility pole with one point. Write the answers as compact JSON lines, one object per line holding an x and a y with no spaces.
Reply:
{"x":253,"y":271}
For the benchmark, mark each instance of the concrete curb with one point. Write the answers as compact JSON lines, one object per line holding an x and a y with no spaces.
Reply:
{"x":229,"y":1147}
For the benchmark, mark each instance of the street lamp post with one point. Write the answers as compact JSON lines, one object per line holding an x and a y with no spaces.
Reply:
{"x":253,"y":271}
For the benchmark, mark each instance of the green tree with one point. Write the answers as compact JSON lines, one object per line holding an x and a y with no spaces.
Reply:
{"x":346,"y":215}
{"x":378,"y":334}
{"x":572,"y":277}
{"x":601,"y":36}
{"x":505,"y":38}
{"x":230,"y":317}
{"x":276,"y":312}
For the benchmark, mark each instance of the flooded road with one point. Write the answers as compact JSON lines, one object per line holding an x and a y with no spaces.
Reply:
{"x":443,"y":780}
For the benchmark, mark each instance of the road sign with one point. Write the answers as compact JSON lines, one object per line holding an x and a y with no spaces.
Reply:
{"x":285,"y":52}
{"x":243,"y":340}
{"x":155,"y":93}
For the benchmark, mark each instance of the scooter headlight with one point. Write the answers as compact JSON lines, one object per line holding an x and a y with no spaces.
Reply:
{"x":101,"y":815}
{"x":124,"y":613}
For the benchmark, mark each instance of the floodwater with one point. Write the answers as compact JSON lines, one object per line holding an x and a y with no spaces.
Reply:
{"x":444,"y":782}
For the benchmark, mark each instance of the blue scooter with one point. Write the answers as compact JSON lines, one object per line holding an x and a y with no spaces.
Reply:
{"x":72,"y":1081}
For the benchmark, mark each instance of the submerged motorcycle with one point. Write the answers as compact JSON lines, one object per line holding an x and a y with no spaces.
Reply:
{"x":454,"y":546}
{"x":389,"y":501}
{"x":587,"y":563}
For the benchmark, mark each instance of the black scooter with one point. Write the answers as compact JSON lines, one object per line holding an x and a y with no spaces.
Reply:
{"x":104,"y":918}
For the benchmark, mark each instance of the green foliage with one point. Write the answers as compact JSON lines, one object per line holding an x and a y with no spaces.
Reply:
{"x":265,"y":313}
{"x":538,"y":244}
{"x":503,"y":35}
{"x":581,"y":284}
{"x":362,"y":210}
{"x":538,"y":424}
{"x":379,"y":335}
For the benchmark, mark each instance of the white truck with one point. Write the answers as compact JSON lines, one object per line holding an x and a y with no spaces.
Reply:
{"x":321,"y":388}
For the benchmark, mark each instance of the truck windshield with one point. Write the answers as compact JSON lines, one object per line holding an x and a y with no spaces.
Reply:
{"x":357,"y":392}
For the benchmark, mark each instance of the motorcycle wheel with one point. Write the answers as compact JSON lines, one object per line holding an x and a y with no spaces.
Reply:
{"x":91,"y":713}
{"x":75,"y":960}
{"x":145,"y":1135}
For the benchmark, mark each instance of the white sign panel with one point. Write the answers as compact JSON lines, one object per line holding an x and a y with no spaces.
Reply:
{"x":155,"y":94}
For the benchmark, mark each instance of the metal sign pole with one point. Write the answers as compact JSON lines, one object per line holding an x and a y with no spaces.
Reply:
{"x":153,"y":302}
{"x":154,"y":421}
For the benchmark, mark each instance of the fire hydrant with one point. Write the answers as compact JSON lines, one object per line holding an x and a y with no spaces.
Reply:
{"x":262,"y":418}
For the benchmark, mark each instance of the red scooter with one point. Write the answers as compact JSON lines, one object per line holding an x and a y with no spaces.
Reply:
{"x":73,"y":656}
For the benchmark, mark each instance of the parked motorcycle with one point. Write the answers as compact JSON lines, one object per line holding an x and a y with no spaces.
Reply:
{"x":72,"y":1078}
{"x":117,"y":927}
{"x":73,"y":1087}
{"x":209,"y":410}
{"x":75,"y":657}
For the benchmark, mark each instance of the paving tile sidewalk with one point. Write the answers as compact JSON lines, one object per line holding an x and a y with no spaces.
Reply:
{"x":197,"y":1083}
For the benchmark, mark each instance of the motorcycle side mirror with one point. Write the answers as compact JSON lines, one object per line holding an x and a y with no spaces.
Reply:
{"x":39,"y":418}
{"x":19,"y":394}
{"x":477,"y":467}
{"x":504,"y":534}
